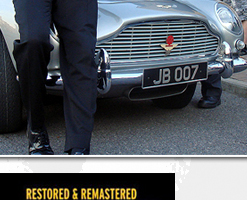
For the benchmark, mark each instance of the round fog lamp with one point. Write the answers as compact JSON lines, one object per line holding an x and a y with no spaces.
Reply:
{"x":239,"y":45}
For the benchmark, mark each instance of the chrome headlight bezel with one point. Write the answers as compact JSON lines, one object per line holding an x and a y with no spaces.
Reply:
{"x":228,"y":18}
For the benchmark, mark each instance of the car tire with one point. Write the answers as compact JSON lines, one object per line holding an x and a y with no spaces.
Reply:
{"x":177,"y":101}
{"x":10,"y":100}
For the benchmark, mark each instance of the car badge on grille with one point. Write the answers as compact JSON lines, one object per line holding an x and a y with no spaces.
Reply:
{"x":169,"y":45}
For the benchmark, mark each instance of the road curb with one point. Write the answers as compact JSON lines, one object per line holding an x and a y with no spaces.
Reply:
{"x":235,"y":86}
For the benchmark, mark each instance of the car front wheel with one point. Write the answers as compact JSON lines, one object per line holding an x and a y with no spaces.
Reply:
{"x":10,"y":101}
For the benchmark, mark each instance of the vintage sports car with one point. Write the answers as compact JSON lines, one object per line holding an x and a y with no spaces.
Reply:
{"x":146,"y":49}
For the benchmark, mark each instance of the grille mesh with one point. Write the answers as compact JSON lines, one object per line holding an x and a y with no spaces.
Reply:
{"x":142,"y":42}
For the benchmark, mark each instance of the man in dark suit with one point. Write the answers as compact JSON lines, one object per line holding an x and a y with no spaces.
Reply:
{"x":76,"y":22}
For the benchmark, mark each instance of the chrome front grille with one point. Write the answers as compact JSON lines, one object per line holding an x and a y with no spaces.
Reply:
{"x":142,"y":42}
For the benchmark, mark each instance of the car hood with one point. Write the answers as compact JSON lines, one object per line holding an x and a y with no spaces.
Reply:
{"x":114,"y":15}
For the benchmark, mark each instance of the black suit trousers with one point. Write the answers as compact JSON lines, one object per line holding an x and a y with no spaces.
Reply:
{"x":212,"y":86}
{"x":76,"y":22}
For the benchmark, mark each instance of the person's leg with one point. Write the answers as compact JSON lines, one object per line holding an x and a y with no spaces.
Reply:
{"x":211,"y":92}
{"x":32,"y":54}
{"x":76,"y":22}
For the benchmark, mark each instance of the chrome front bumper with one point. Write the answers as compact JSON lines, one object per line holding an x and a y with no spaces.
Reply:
{"x":120,"y":82}
{"x":226,"y":69}
{"x":225,"y":65}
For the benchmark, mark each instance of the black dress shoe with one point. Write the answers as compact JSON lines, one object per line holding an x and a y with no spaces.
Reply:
{"x":209,"y":102}
{"x":39,"y":143}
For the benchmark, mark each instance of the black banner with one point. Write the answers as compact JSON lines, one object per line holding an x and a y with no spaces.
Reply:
{"x":87,"y":186}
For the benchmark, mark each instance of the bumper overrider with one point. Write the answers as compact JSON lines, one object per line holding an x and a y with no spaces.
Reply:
{"x":115,"y":83}
{"x":226,"y":65}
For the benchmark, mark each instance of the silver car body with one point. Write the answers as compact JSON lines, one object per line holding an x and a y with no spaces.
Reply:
{"x":121,"y":20}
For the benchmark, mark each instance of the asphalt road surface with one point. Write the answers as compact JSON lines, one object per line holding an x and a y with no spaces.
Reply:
{"x":123,"y":127}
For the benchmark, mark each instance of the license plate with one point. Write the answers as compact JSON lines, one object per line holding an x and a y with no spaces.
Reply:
{"x":174,"y":75}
